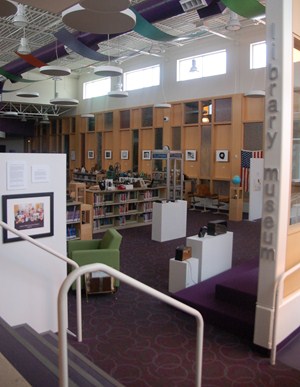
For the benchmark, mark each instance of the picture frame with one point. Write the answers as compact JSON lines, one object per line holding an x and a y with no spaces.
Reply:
{"x":108,"y":154}
{"x":124,"y":154}
{"x":91,"y":154}
{"x":191,"y":155}
{"x":146,"y":155}
{"x":222,"y":155}
{"x":30,"y":213}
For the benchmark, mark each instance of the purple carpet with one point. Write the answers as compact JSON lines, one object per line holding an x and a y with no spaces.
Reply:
{"x":144,"y":343}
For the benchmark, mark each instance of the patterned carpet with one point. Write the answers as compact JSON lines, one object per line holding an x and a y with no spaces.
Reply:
{"x":142,"y":342}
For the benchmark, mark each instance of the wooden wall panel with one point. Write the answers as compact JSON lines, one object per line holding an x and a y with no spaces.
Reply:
{"x":292,"y":258}
{"x":253,"y":109}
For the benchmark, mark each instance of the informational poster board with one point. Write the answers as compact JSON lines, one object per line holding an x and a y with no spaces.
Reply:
{"x":256,"y":188}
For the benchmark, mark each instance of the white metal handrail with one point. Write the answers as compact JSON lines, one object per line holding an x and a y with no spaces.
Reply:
{"x":63,"y":315}
{"x":63,"y":258}
{"x":277,"y":292}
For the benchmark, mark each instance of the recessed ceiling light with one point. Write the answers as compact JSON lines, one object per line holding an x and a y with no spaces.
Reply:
{"x":64,"y":101}
{"x":28,"y":94}
{"x":108,"y":71}
{"x":86,"y":20}
{"x":55,"y":71}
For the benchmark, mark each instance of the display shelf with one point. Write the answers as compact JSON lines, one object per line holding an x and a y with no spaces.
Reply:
{"x":73,"y":220}
{"x":87,"y":178}
{"x":123,"y":208}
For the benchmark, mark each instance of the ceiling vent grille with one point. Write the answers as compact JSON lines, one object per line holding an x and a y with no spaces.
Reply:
{"x":190,"y":5}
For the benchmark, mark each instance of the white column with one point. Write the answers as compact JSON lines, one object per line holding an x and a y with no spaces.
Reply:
{"x":277,"y":169}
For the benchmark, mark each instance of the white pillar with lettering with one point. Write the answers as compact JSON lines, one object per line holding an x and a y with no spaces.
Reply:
{"x":277,"y":168}
{"x":256,"y":188}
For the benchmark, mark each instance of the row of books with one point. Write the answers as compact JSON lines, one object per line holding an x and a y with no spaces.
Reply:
{"x":73,"y":214}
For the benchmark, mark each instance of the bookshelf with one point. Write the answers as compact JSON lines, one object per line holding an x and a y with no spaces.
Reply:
{"x":78,"y":221}
{"x":122,"y":209}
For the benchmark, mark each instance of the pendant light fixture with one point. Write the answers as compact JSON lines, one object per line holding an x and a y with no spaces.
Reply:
{"x":118,"y":92}
{"x":55,"y":71}
{"x":194,"y":67}
{"x":20,"y":20}
{"x":233,"y":22}
{"x":28,"y":94}
{"x":108,"y":70}
{"x":24,"y":48}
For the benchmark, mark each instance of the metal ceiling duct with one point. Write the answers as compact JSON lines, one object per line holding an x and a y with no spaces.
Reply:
{"x":152,"y":10}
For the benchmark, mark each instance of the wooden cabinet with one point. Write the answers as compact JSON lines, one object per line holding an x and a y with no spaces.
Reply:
{"x":236,"y":204}
{"x":123,"y":208}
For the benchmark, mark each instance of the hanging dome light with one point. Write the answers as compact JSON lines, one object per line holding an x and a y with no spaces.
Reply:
{"x":55,"y":71}
{"x":233,"y":23}
{"x":64,"y":101}
{"x":108,"y":71}
{"x":194,"y":67}
{"x":24,"y":48}
{"x":118,"y":91}
{"x":20,"y":20}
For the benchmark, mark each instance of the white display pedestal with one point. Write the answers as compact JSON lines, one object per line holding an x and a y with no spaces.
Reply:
{"x":169,"y":220}
{"x":182,"y":274}
{"x":214,"y":253}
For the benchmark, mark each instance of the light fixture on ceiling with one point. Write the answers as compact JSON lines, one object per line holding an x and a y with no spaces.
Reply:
{"x":55,"y":71}
{"x":64,"y":101}
{"x":108,"y":71}
{"x":24,"y":48}
{"x":87,"y":115}
{"x":7,"y":8}
{"x":233,"y":22}
{"x":194,"y":67}
{"x":118,"y":92}
{"x":162,"y":106}
{"x":105,"y":6}
{"x":20,"y":20}
{"x":28,"y":94}
{"x":45,"y":120}
{"x":10,"y":113}
{"x":95,"y":22}
{"x":255,"y":94}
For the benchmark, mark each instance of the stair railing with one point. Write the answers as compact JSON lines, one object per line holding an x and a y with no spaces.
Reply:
{"x":63,"y":315}
{"x":278,"y":291}
{"x":63,"y":258}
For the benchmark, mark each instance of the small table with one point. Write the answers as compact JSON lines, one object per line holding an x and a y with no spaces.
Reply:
{"x":213,"y":252}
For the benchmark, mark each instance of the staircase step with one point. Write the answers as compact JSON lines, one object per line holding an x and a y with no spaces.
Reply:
{"x":240,"y":290}
{"x":35,"y":356}
{"x":80,"y":360}
{"x":25,"y":358}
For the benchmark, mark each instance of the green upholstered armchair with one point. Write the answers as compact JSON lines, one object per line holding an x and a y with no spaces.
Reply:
{"x":105,"y":250}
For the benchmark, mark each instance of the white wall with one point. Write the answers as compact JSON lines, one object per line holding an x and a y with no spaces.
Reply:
{"x":30,"y":278}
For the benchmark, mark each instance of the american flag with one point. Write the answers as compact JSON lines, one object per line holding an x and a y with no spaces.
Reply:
{"x":246,"y":155}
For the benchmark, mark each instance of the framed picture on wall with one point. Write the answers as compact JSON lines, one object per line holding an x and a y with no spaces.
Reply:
{"x":107,"y":154}
{"x":124,"y":154}
{"x":91,"y":154}
{"x":146,"y":155}
{"x":32,"y":214}
{"x":190,"y":155}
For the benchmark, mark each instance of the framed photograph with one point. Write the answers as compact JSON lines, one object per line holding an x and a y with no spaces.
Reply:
{"x":124,"y":154}
{"x":222,"y":155}
{"x":31,"y":214}
{"x":108,"y":154}
{"x":146,"y":155}
{"x":91,"y":154}
{"x":190,"y":155}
